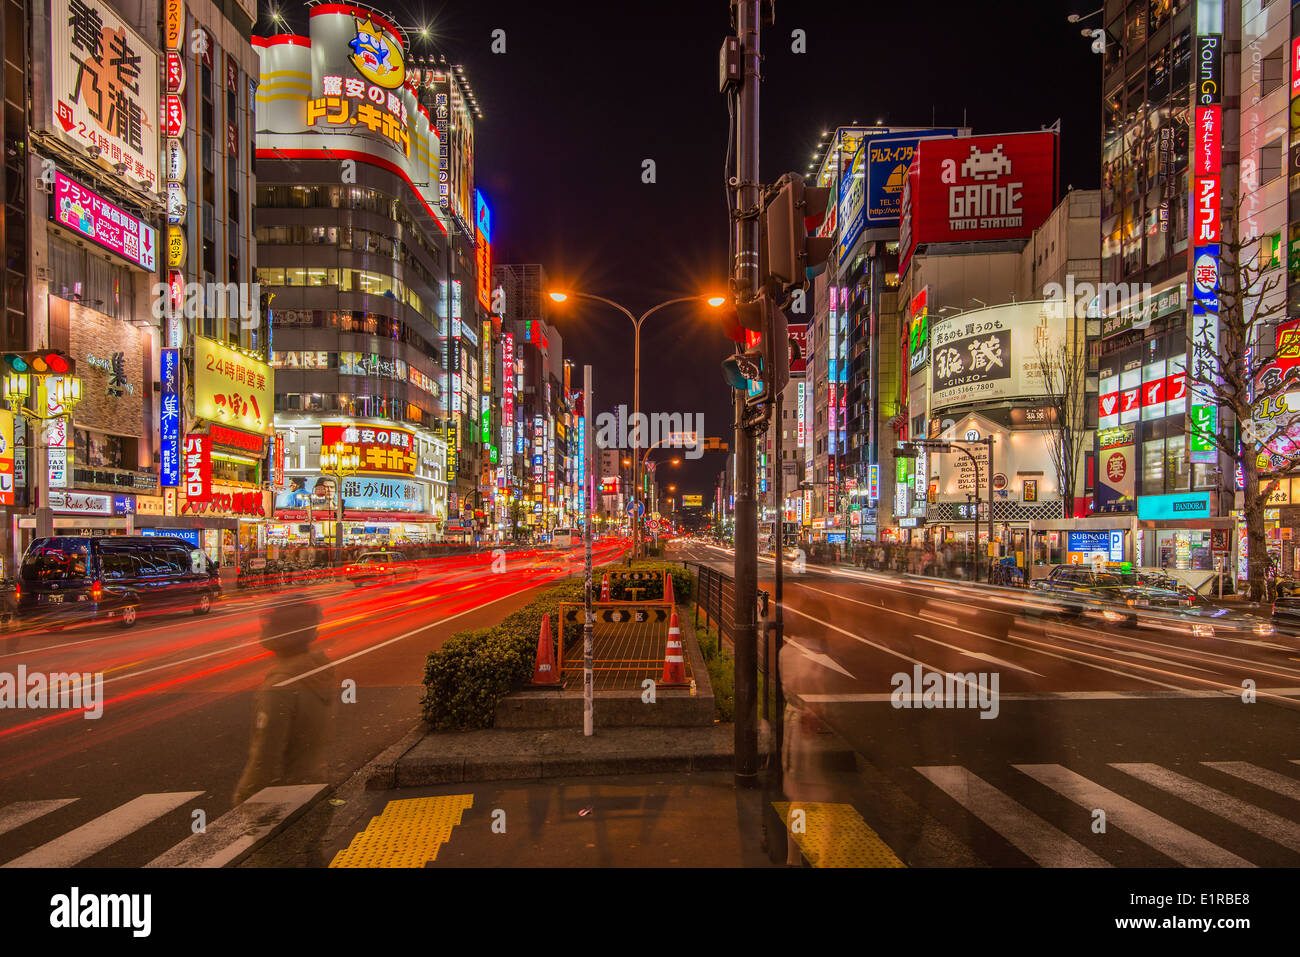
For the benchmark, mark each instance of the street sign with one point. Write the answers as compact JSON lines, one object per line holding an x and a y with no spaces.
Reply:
{"x":637,"y":507}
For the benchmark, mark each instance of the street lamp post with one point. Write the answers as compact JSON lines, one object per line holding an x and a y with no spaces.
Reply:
{"x":713,"y":301}
{"x":56,"y":398}
{"x":340,"y":463}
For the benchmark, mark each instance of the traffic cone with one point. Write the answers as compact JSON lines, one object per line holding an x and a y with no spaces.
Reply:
{"x":668,"y":589}
{"x":544,"y":671}
{"x":674,"y":665}
{"x":604,"y":587}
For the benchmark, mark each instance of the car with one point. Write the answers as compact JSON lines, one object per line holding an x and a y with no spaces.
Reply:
{"x":68,"y":578}
{"x":371,"y":567}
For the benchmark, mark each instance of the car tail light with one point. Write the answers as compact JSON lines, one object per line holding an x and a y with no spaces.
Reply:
{"x":18,"y":592}
{"x":96,"y":591}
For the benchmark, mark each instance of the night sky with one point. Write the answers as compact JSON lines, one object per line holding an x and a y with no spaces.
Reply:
{"x":586,"y":91}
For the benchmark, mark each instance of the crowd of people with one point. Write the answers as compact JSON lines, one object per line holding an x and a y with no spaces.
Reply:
{"x":949,"y":560}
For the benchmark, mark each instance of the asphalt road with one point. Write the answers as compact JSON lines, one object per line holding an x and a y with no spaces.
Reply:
{"x":164,"y":759}
{"x":1103,"y":745}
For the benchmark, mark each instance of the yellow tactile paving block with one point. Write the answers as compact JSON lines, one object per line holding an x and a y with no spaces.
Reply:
{"x":407,"y":833}
{"x":834,"y":835}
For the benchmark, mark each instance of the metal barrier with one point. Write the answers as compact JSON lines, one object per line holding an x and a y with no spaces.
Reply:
{"x":715,"y":595}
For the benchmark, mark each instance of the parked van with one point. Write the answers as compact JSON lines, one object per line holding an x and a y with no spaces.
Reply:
{"x":68,"y":578}
{"x":566,"y":537}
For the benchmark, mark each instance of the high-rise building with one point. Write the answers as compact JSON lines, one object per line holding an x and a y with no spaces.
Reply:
{"x":371,"y":294}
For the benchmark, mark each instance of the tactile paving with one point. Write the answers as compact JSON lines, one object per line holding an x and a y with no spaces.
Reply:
{"x":835,"y":835}
{"x":407,"y":833}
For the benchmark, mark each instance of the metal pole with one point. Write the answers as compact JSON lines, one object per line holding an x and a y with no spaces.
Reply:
{"x":773,"y":685}
{"x":44,"y":514}
{"x":989,"y":440}
{"x":636,"y":436}
{"x":746,"y":284}
{"x":588,"y":674}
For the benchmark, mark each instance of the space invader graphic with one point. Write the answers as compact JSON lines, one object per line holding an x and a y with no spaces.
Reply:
{"x":982,"y":166}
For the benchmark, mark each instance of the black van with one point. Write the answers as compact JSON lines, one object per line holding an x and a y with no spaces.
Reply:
{"x":67,"y":577}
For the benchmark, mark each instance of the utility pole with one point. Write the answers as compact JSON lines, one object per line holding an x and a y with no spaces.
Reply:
{"x":588,"y":620}
{"x":745,"y":284}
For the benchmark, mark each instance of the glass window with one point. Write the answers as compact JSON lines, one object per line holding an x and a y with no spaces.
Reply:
{"x":1153,"y":466}
{"x":56,"y":560}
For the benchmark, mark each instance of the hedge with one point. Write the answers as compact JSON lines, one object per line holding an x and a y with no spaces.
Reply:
{"x":466,"y":678}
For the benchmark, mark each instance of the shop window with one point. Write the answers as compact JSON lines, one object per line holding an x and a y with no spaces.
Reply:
{"x":1153,"y":467}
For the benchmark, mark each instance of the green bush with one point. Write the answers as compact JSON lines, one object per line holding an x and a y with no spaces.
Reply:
{"x":722,"y":673}
{"x":466,"y":678}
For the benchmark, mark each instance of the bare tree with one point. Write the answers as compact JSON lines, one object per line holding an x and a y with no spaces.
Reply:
{"x":1065,"y":373}
{"x":1232,"y":367}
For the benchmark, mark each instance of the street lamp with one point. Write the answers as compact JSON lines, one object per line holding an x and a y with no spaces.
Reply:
{"x":713,"y":301}
{"x":338,"y":461}
{"x":57,"y":396}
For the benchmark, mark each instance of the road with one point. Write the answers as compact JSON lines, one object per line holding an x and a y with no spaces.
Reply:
{"x":1103,"y":746}
{"x":163,"y":760}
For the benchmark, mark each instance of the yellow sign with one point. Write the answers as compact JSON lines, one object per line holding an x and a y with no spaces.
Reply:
{"x":174,"y":28}
{"x":377,"y":55}
{"x":232,"y":388}
{"x":6,"y":458}
{"x":175,"y":247}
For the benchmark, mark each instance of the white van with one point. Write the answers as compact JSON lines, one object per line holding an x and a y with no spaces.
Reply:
{"x":566,"y":537}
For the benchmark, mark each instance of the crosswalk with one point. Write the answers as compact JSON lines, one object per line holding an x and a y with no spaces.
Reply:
{"x":216,"y":844}
{"x":1211,"y":814}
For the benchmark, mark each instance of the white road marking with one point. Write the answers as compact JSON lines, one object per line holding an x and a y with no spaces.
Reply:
{"x":872,"y":697}
{"x":1261,"y":777}
{"x":980,"y":655}
{"x":826,"y":661}
{"x":240,"y":829}
{"x":1170,"y":839}
{"x":1255,"y":819}
{"x":105,"y":830}
{"x":1038,"y":840}
{"x":14,"y":816}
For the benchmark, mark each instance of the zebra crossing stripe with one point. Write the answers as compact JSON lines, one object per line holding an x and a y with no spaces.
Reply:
{"x":1263,"y":777}
{"x":105,"y":830}
{"x":1039,"y":841}
{"x":1175,"y":842}
{"x":1255,"y":819}
{"x":239,"y":830}
{"x":16,"y":815}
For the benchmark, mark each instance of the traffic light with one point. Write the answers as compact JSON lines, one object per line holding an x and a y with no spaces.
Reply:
{"x":794,"y":254}
{"x":40,"y":362}
{"x":762,"y":368}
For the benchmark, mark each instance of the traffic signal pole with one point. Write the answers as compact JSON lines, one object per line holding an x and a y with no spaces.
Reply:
{"x":745,"y":285}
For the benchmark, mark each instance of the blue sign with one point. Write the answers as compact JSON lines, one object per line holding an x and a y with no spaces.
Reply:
{"x":483,"y":215}
{"x":1182,"y":505}
{"x":1205,"y":280}
{"x":123,"y":504}
{"x":635,"y":506}
{"x":1109,"y":543}
{"x":886,"y":164}
{"x":169,"y":418}
{"x":835,"y":538}
{"x":190,"y":535}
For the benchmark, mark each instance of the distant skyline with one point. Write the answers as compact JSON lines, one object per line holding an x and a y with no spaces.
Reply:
{"x":586,"y":92}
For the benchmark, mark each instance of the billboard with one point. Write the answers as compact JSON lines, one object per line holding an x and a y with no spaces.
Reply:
{"x":799,"y":333}
{"x":886,"y":163}
{"x":852,"y":193}
{"x":381,"y":448}
{"x":991,"y":354}
{"x":692,"y":501}
{"x":169,"y":418}
{"x":483,"y":250}
{"x":198,"y":468}
{"x":345,"y":91}
{"x":6,"y":457}
{"x":104,"y":88}
{"x":973,"y":188}
{"x":232,"y":388}
{"x":88,"y":214}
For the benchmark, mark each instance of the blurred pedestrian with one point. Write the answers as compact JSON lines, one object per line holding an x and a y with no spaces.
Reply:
{"x":291,"y":721}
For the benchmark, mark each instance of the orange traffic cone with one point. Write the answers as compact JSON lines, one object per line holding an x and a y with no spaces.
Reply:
{"x":674,"y":665}
{"x":544,"y":671}
{"x":668,"y":590}
{"x":604,"y":587}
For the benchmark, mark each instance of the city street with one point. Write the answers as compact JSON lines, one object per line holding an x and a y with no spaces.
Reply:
{"x":1147,"y":725}
{"x":174,"y":735}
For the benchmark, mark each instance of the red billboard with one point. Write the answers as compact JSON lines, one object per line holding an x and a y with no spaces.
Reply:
{"x":799,"y":336}
{"x":197,"y":457}
{"x":380,"y":449}
{"x":973,"y":188}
